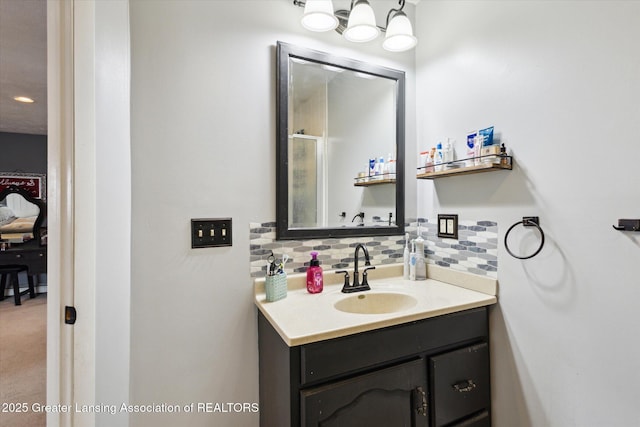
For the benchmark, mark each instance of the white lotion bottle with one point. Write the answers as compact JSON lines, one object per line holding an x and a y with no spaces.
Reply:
{"x":447,"y":154}
{"x":407,"y":259}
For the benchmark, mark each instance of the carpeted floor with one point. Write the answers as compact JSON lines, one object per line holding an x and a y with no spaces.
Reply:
{"x":23,"y":347}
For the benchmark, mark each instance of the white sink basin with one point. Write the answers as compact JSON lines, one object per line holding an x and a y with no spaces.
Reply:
{"x":375,"y":303}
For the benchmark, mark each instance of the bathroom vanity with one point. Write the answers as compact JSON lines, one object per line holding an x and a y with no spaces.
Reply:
{"x":425,"y":363}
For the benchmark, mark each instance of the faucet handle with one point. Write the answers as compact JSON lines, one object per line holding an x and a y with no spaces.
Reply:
{"x":364,"y":275}
{"x":346,"y":276}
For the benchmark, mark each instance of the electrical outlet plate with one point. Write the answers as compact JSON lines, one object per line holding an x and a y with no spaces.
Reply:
{"x":448,"y":226}
{"x":210,"y":232}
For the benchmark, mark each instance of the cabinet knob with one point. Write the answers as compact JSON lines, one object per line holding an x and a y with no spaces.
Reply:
{"x":18,"y":255}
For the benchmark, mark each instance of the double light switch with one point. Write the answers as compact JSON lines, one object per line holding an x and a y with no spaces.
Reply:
{"x":448,"y":226}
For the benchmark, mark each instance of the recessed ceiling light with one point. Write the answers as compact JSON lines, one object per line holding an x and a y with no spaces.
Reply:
{"x":24,"y":99}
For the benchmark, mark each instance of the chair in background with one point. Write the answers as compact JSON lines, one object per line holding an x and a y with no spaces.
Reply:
{"x":9,"y":273}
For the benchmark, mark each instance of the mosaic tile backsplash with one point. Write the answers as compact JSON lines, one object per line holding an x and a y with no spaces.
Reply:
{"x":475,"y":251}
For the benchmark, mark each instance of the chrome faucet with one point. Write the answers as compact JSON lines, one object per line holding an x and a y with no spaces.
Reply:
{"x":356,"y":286}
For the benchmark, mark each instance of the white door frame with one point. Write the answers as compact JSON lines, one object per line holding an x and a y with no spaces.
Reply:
{"x":89,"y":209}
{"x":60,"y":218}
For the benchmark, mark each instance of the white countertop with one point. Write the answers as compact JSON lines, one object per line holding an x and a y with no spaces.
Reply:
{"x":303,"y":318}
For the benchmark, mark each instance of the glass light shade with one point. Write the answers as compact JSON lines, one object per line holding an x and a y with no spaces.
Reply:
{"x":362,"y":23}
{"x":399,"y":34}
{"x":318,"y":16}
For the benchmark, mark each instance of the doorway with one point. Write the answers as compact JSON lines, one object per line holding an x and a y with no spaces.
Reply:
{"x":23,"y":154}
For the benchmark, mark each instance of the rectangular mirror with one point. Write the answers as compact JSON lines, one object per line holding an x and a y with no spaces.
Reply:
{"x":340,"y":146}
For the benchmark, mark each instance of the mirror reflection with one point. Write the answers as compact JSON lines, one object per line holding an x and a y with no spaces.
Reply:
{"x":20,"y":216}
{"x":341,"y":138}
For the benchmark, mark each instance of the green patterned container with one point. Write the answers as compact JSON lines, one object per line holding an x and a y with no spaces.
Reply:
{"x":276,"y":287}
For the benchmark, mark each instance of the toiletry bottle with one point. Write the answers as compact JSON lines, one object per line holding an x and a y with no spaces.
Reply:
{"x":438,"y":161}
{"x":372,"y":168}
{"x":412,"y":261}
{"x":471,"y":152}
{"x":431,"y":159}
{"x":314,"y":275}
{"x":477,"y":148}
{"x":447,"y":153}
{"x":376,"y":169}
{"x":504,"y":160}
{"x":381,"y":167}
{"x":407,"y":258}
{"x":422,"y":162}
{"x":421,"y":265}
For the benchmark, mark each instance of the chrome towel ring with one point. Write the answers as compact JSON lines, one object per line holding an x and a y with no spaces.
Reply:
{"x":527,"y":221}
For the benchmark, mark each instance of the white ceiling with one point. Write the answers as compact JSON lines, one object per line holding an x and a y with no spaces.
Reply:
{"x":23,"y":66}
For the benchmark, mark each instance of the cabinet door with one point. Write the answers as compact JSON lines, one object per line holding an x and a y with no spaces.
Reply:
{"x":391,"y":397}
{"x":460,"y":386}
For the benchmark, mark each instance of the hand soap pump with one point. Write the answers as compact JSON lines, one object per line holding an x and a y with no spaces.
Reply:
{"x":421,"y":265}
{"x":314,"y":275}
{"x":407,"y":258}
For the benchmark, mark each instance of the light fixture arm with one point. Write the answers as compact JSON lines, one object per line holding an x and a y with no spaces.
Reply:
{"x":401,"y":3}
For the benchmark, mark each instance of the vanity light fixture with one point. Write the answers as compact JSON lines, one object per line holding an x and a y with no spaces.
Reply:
{"x":399,"y":33}
{"x":318,"y":16}
{"x":358,"y":24}
{"x":361,"y":26}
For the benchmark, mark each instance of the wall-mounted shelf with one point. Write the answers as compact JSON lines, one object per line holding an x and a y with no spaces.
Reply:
{"x":304,"y":136}
{"x":370,"y":181}
{"x":454,"y":168}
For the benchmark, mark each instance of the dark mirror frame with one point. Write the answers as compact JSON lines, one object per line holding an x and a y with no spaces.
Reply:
{"x":29,"y":198}
{"x":284,"y":51}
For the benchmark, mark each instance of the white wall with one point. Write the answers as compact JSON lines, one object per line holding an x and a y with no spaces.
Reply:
{"x":560,"y":82}
{"x":203,"y":145}
{"x":355,"y":136}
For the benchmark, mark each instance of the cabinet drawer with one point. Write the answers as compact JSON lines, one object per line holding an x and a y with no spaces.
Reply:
{"x":460,"y":384}
{"x":389,"y":397}
{"x":481,"y":419}
{"x":326,"y":359}
{"x":36,"y":261}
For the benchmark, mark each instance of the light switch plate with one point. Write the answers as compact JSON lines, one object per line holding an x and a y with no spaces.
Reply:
{"x":210,"y":232}
{"x":448,"y":226}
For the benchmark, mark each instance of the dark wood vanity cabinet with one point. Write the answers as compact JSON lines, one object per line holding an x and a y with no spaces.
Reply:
{"x":433,"y":372}
{"x":30,"y":254}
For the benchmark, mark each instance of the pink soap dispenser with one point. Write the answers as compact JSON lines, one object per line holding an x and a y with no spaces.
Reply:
{"x":314,"y":275}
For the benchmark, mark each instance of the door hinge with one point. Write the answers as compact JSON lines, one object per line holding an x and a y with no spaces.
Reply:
{"x":70,"y":315}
